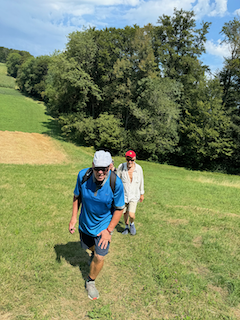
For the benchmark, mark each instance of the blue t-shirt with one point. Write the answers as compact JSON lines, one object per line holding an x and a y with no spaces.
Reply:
{"x":96,"y":206}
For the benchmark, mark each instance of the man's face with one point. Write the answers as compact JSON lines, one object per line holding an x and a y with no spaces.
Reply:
{"x":130,"y":162}
{"x":100,"y":173}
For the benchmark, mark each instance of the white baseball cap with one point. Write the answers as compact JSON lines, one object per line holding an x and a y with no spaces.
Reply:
{"x":102,"y":158}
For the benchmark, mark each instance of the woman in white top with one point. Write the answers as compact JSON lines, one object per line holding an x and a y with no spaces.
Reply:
{"x":131,"y":175}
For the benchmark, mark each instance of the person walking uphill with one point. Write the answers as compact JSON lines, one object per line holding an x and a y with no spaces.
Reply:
{"x":97,"y":189}
{"x":131,"y":175}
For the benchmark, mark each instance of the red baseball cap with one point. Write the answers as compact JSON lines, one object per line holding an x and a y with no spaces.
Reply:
{"x":131,"y":154}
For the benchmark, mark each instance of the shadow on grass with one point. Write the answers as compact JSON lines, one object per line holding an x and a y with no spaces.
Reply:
{"x":53,"y":129}
{"x":75,"y":255}
{"x":120,"y":226}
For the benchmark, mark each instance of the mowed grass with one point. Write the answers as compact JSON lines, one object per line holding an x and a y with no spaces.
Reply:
{"x":183,"y":262}
{"x":20,"y":113}
{"x":6,"y":81}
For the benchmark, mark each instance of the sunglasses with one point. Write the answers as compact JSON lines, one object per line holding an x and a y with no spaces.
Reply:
{"x":103,"y":169}
{"x":130,"y":159}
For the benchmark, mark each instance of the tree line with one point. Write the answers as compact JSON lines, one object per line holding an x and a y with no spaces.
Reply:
{"x":143,"y":88}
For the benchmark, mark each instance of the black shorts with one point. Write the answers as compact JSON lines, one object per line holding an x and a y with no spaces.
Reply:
{"x":88,"y":241}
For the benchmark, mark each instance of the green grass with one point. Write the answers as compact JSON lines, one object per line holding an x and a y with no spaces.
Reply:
{"x":182,"y":264}
{"x":19,"y":113}
{"x":6,"y":81}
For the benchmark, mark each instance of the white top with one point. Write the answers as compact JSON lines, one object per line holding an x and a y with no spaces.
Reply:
{"x":132,"y":190}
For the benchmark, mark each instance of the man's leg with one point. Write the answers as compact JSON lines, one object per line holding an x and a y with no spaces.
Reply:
{"x":87,"y":243}
{"x":95,"y":268}
{"x":92,"y":255}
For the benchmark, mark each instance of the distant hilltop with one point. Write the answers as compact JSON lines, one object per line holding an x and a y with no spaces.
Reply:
{"x":4,"y":52}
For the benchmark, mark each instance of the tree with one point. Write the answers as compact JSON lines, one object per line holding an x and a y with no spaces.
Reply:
{"x":110,"y":133}
{"x":15,"y":60}
{"x":13,"y":63}
{"x":178,"y":46}
{"x":156,"y":118}
{"x":135,"y":64}
{"x":206,"y":129}
{"x":32,"y":75}
{"x":4,"y":54}
{"x":69,"y":87}
{"x":112,"y":45}
{"x":104,"y":131}
{"x":82,"y":47}
{"x":117,"y":65}
{"x":229,"y":77}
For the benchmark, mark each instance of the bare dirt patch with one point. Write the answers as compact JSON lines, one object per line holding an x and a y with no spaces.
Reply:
{"x":197,"y":242}
{"x":29,"y":148}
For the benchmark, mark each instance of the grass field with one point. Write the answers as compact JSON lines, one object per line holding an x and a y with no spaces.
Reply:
{"x":5,"y":81}
{"x":182,"y":264}
{"x":19,"y":113}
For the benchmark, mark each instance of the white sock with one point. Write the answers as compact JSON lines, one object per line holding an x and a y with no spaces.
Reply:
{"x":126,"y":226}
{"x":131,"y":223}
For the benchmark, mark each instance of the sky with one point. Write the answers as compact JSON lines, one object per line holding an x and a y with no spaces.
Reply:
{"x":41,"y":27}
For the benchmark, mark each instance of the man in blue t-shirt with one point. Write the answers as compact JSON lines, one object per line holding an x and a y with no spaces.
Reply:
{"x":97,"y":220}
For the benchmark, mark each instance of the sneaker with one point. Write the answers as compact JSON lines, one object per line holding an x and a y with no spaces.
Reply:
{"x":92,"y":290}
{"x":125,"y":231}
{"x":132,"y":229}
{"x":91,"y":258}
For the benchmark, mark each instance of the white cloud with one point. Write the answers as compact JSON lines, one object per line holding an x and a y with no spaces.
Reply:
{"x":220,"y":8}
{"x":218,"y":49}
{"x":149,"y":11}
{"x":211,"y":9}
{"x":41,"y":26}
{"x":237,"y":12}
{"x":202,"y":8}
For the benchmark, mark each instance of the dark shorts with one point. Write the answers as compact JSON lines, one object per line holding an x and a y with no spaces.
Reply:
{"x":88,"y":241}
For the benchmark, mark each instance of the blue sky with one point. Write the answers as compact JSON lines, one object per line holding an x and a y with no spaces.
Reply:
{"x":41,"y":27}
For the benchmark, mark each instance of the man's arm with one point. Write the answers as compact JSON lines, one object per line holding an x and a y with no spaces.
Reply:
{"x":115,"y":219}
{"x":105,"y":235}
{"x":73,"y":220}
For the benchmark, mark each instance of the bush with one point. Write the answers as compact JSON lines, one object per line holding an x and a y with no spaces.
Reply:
{"x":103,"y":132}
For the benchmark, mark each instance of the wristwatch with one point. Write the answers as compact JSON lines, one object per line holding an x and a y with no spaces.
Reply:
{"x":111,"y":232}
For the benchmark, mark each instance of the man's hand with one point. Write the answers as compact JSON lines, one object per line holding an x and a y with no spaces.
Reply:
{"x":73,"y":220}
{"x":71,"y":227}
{"x":141,"y":198}
{"x":105,"y":238}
